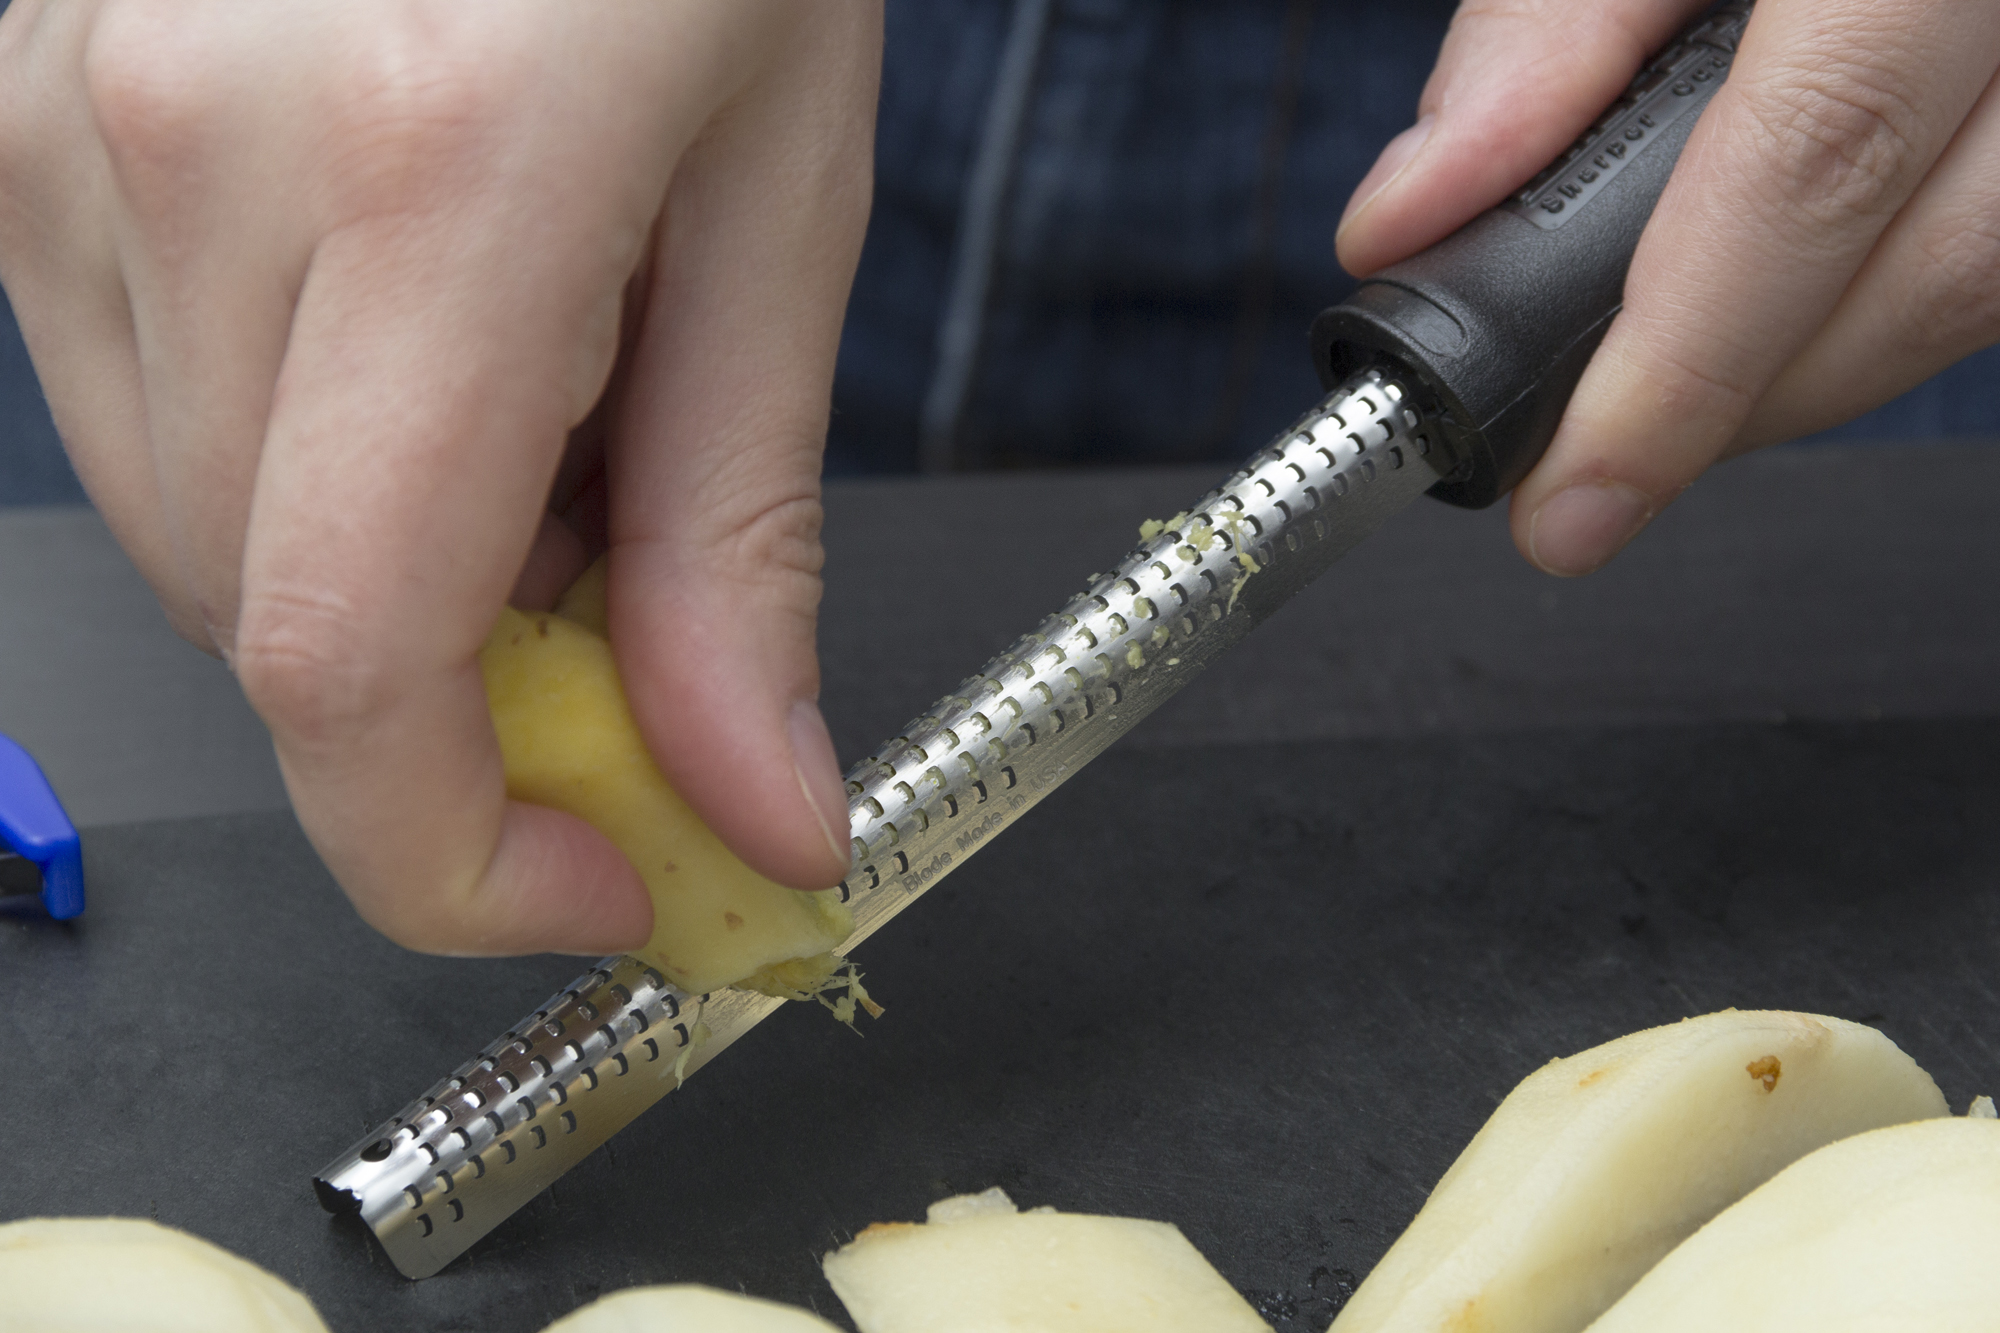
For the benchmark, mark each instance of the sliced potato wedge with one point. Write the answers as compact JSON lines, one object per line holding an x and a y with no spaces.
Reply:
{"x":1892,"y":1231}
{"x":687,"y":1309}
{"x":129,"y":1275}
{"x":1597,"y":1165}
{"x":976,"y":1265}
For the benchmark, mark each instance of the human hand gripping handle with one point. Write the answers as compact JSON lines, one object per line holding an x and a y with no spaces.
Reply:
{"x":1498,"y":320}
{"x":1826,"y":241}
{"x":334,"y":303}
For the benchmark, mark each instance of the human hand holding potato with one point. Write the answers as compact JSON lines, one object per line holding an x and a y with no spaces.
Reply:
{"x":358,"y":317}
{"x":1827,"y":240}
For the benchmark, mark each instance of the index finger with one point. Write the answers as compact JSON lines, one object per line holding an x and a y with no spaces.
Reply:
{"x":1514,"y":85}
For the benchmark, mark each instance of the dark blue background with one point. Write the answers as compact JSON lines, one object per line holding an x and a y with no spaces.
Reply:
{"x":1125,"y":290}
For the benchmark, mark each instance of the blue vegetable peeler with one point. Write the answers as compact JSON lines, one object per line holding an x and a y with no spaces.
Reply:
{"x":39,"y":852}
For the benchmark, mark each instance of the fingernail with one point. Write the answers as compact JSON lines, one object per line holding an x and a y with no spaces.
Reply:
{"x":818,"y":772}
{"x":1584,"y":524}
{"x":1387,"y":167}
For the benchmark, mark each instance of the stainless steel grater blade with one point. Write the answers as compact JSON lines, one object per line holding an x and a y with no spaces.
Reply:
{"x":458,"y":1161}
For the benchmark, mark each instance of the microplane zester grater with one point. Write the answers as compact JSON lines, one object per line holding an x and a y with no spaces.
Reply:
{"x":503,"y":1127}
{"x":1447,"y":374}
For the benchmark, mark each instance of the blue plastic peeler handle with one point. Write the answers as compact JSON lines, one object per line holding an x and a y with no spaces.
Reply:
{"x":33,"y":824}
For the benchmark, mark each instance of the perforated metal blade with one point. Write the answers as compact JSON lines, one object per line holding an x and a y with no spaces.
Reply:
{"x":458,"y":1161}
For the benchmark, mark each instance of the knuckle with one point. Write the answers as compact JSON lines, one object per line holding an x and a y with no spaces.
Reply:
{"x":769,"y":540}
{"x":1956,"y":298}
{"x":781,"y":539}
{"x":153,"y":85}
{"x":1695,"y":382}
{"x":302,"y":662}
{"x":411,"y":112}
{"x":1843,"y":133}
{"x":391,"y":111}
{"x":1684,"y":378}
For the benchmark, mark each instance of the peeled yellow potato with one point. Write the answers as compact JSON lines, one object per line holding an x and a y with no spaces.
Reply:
{"x":978,"y":1266}
{"x":687,"y":1309}
{"x":1598,"y":1165}
{"x":569,"y":741}
{"x":128,"y":1275}
{"x":1893,"y":1231}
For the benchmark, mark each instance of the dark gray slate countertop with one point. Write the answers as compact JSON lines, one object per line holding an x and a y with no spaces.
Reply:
{"x":1261,"y":971}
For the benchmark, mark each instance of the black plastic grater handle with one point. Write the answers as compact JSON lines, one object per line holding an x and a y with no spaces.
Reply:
{"x":1497,"y":321}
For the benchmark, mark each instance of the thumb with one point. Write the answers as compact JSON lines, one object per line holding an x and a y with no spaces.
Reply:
{"x":1514,"y":86}
{"x":714,"y":460}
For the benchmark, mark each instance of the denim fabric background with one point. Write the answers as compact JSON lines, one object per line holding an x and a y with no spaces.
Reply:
{"x":1164,"y":242}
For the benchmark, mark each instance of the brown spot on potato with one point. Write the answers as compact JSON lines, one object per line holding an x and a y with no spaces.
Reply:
{"x":733,"y":921}
{"x":1766,"y":1069}
{"x":1467,"y":1318}
{"x":541,"y":627}
{"x":671,"y":867}
{"x":1593,"y":1076}
{"x":884,"y":1229}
